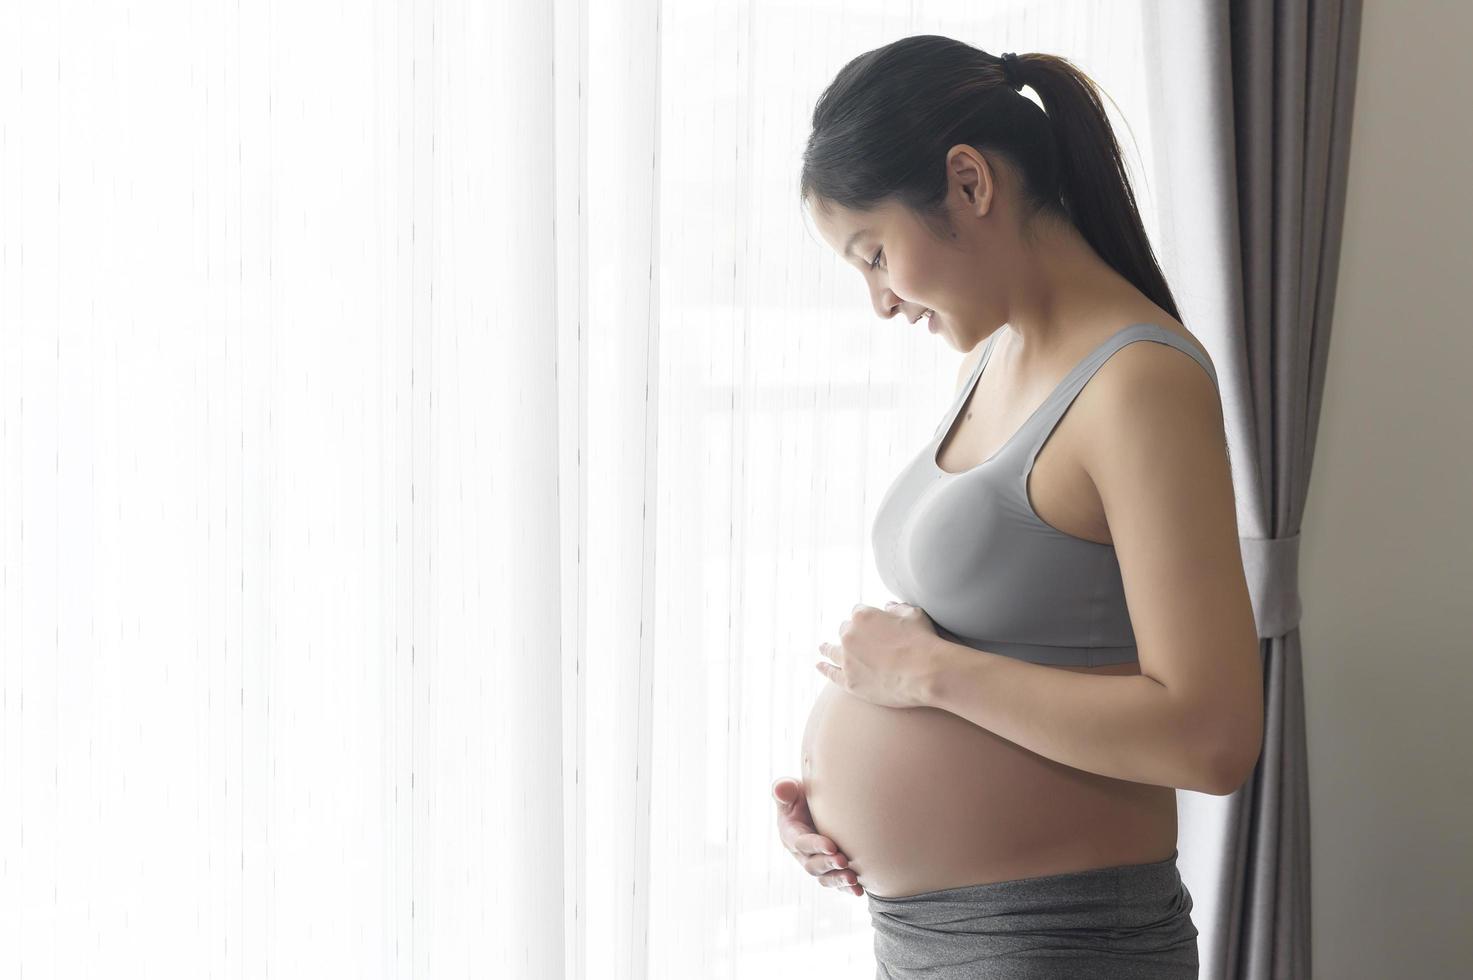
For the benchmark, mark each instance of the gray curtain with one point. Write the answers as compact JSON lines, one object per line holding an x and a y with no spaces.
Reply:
{"x":1257,"y":97}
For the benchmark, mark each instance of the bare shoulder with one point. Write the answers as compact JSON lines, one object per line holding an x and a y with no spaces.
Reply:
{"x":1158,"y":371}
{"x":1152,"y":392}
{"x":1184,"y":334}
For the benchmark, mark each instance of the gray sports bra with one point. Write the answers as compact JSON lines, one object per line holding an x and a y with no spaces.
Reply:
{"x":968,"y":549}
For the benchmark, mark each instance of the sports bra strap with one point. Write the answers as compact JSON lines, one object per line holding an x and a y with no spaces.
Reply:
{"x":1047,"y":416}
{"x":965,"y":389}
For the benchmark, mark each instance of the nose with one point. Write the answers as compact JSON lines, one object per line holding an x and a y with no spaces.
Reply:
{"x":886,"y":309}
{"x":911,"y":315}
{"x":887,"y":304}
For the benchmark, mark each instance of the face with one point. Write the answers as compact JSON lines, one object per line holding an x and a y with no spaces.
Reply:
{"x":908,"y":270}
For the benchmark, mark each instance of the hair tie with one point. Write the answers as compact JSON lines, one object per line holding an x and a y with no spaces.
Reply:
{"x":1010,"y":69}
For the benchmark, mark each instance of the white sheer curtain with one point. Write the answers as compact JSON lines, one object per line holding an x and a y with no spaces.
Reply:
{"x":433,"y":445}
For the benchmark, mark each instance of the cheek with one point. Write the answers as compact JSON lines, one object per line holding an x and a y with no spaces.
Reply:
{"x":922,"y":274}
{"x":912,"y":280}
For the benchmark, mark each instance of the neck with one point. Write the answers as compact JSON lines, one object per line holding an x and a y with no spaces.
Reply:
{"x":1064,"y":289}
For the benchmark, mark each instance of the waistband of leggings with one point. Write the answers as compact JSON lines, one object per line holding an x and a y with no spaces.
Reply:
{"x":1155,"y":875}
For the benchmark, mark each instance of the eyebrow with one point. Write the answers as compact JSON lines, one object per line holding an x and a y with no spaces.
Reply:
{"x":850,"y":243}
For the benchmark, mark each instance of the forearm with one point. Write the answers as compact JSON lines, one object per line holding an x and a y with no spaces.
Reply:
{"x":1123,"y":726}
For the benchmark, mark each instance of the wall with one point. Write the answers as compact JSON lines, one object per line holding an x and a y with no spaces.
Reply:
{"x":1387,"y":560}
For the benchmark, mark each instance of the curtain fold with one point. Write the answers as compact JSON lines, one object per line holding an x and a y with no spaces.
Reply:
{"x":1261,"y":95}
{"x":609,"y":196}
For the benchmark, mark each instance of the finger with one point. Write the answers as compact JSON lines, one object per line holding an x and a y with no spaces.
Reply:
{"x":821,"y":864}
{"x":792,"y":800}
{"x":786,"y":791}
{"x":793,"y":829}
{"x":799,"y":836}
{"x":791,"y":832}
{"x":807,"y":842}
{"x":834,"y":675}
{"x":839,"y":879}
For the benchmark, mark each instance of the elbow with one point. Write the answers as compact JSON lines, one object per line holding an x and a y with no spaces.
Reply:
{"x":1231,"y":767}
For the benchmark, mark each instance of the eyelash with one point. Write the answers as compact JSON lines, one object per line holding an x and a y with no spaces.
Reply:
{"x":877,"y":258}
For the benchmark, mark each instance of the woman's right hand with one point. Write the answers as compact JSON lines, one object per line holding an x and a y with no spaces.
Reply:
{"x":817,"y":853}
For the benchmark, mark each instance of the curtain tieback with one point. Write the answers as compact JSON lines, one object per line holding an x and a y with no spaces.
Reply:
{"x":1271,"y":566}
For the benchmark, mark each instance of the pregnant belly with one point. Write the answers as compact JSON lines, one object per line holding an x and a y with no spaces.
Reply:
{"x":920,"y":799}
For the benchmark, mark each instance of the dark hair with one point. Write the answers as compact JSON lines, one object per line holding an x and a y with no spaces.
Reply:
{"x":882,"y":128}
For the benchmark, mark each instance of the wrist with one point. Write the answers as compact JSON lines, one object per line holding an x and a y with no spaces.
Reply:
{"x":940,"y":659}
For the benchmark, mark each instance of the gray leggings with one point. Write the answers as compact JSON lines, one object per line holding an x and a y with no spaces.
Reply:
{"x":1130,"y":922}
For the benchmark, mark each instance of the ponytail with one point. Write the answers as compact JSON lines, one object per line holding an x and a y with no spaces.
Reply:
{"x":1093,"y":186}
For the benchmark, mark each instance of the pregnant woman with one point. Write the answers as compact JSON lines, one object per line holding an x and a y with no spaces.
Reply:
{"x":995,"y":761}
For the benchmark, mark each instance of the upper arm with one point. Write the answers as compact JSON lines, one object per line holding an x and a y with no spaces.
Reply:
{"x":1157,"y":454}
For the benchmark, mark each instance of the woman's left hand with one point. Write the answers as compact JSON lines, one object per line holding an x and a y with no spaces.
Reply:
{"x":885,"y":656}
